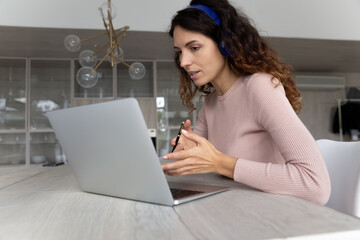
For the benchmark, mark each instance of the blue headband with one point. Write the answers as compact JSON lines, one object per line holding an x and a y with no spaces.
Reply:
{"x":213,"y":15}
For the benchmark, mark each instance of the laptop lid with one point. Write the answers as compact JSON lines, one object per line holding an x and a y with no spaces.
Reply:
{"x":110,"y":151}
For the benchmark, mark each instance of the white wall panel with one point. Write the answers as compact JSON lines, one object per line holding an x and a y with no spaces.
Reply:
{"x":319,"y":19}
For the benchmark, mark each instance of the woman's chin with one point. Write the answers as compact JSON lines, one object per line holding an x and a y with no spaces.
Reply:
{"x":199,"y":83}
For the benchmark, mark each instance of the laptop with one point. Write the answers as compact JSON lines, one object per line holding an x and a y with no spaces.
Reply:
{"x":110,"y":152}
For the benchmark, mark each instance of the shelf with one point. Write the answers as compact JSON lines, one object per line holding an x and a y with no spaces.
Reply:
{"x":10,"y":131}
{"x":12,"y":143}
{"x":169,"y":127}
{"x":42,"y":130}
{"x":55,"y":80}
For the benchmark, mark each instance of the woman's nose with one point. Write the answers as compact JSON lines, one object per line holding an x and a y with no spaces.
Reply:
{"x":185,"y":60}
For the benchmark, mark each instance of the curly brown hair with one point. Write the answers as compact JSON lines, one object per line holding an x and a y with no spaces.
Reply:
{"x":249,"y":52}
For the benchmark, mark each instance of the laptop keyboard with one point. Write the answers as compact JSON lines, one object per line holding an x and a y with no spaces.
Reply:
{"x":181,"y":193}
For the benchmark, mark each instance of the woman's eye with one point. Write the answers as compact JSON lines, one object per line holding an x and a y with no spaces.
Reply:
{"x":195,"y":48}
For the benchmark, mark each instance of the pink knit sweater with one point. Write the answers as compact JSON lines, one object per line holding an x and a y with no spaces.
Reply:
{"x":254,"y":122}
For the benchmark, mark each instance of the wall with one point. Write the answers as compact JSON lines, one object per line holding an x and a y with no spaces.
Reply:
{"x":319,"y":19}
{"x":318,"y":112}
{"x":319,"y":106}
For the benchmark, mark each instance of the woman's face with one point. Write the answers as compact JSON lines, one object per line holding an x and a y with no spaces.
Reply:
{"x":199,"y":56}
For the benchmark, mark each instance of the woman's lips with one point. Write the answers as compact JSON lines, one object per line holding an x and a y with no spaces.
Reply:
{"x":194,"y":74}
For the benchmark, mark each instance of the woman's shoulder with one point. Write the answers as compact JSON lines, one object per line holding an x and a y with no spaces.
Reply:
{"x":261,"y":78}
{"x":258,"y":81}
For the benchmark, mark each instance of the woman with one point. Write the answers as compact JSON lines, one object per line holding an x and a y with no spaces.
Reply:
{"x":248,"y":129}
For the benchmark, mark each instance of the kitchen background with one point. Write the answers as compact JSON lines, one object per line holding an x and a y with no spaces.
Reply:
{"x":37,"y":74}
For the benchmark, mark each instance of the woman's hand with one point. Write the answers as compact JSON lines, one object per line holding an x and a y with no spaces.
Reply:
{"x":203,"y":157}
{"x":183,"y":143}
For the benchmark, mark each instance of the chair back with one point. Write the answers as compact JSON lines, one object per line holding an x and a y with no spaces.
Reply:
{"x":343,"y":163}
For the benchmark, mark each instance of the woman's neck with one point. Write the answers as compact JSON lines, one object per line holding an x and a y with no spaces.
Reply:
{"x":224,"y":81}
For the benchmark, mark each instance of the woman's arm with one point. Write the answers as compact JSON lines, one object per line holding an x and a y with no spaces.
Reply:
{"x":304,"y":173}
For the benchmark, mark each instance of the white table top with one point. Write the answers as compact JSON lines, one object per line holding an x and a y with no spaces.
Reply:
{"x":47,"y":203}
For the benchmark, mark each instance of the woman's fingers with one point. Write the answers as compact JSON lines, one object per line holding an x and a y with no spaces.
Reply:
{"x":179,"y":147}
{"x":187,"y":125}
{"x":193,"y":137}
{"x":174,"y":165}
{"x":195,"y":140}
{"x":181,"y":167}
{"x":193,"y":155}
{"x":186,"y":169}
{"x":172,"y":142}
{"x":183,"y":171}
{"x":178,"y":155}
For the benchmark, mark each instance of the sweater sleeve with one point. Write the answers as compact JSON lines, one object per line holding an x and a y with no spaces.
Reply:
{"x":304,"y":173}
{"x":201,"y":125}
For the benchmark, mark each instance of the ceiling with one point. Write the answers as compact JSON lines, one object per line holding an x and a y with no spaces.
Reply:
{"x":305,"y":55}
